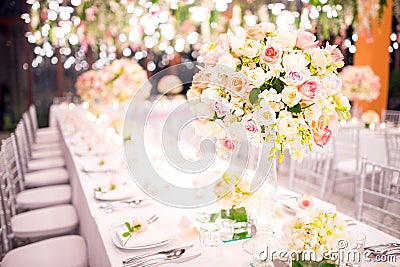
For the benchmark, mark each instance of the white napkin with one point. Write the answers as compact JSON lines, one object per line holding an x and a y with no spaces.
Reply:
{"x":156,"y":232}
{"x":121,"y":192}
{"x":93,"y":165}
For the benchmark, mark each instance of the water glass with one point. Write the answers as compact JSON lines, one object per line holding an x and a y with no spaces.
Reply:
{"x":353,"y":253}
{"x":210,"y":235}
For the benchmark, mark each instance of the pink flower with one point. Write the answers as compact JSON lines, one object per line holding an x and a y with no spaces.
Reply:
{"x":227,"y":144}
{"x":220,"y":107}
{"x":250,"y":125}
{"x":296,"y":77}
{"x":90,"y":13}
{"x":323,"y":139}
{"x":306,"y":40}
{"x":336,"y":56}
{"x":311,"y":90}
{"x":332,"y":84}
{"x":213,"y":55}
{"x":271,"y":54}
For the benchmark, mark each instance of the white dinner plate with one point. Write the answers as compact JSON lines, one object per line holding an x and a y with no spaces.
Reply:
{"x":121,"y":193}
{"x":118,"y":244}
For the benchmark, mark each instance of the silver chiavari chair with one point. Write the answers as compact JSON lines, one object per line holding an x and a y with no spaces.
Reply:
{"x":42,"y":135}
{"x":38,"y":178}
{"x":379,"y":197}
{"x":391,"y":117}
{"x":346,"y":165}
{"x":40,"y":197}
{"x":311,"y":175}
{"x":392,"y":143}
{"x":5,"y":240}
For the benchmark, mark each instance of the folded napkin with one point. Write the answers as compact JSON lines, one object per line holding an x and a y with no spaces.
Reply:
{"x":119,"y":193}
{"x":291,"y":204}
{"x":157,"y":232}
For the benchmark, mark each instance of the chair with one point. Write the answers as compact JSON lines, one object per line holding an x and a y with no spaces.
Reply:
{"x":35,"y":224}
{"x":379,"y":197}
{"x":42,"y":135}
{"x":51,"y":161}
{"x":311,"y":175}
{"x":44,"y":177}
{"x":33,"y":198}
{"x":392,"y":143}
{"x":346,"y":165}
{"x":391,"y":117}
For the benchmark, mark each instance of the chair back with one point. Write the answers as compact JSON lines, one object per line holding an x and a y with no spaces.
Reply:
{"x":12,"y":164}
{"x":28,"y":131}
{"x":33,"y":117}
{"x":392,"y":143}
{"x":4,"y":244}
{"x":7,"y":200}
{"x":22,"y":145}
{"x":379,"y":197}
{"x":391,"y":117}
{"x":346,"y":145}
{"x":311,"y":175}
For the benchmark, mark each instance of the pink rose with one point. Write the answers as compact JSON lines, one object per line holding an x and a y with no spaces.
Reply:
{"x":256,"y":32}
{"x":336,"y":55}
{"x":311,"y":90}
{"x":296,"y":77}
{"x":306,"y":40}
{"x":227,"y":144}
{"x":250,"y":125}
{"x":332,"y":84}
{"x":220,"y":107}
{"x":271,"y":54}
{"x":323,"y":139}
{"x":213,"y":55}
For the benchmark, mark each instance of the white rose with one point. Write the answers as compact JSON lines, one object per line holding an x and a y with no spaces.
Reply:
{"x":268,"y":27}
{"x":344,"y":102}
{"x":256,"y":76}
{"x":265,"y":115}
{"x":270,"y":95}
{"x":287,"y":126}
{"x":192,"y":94}
{"x":251,"y":48}
{"x":290,"y":96}
{"x":320,"y":58}
{"x":210,"y":93}
{"x":237,"y":84}
{"x":287,"y":39}
{"x":228,"y":60}
{"x":295,"y":60}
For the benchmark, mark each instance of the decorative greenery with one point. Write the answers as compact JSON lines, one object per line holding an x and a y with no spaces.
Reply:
{"x":131,"y":229}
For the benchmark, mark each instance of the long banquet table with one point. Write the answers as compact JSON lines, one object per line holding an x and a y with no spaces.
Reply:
{"x":95,"y":223}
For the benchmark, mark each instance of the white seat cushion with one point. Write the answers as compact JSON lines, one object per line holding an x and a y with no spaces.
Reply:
{"x":44,"y":197}
{"x":47,"y":130}
{"x":65,"y":251}
{"x":46,"y":146}
{"x":350,"y":166}
{"x":47,"y":139}
{"x":46,"y":177}
{"x":38,"y":154}
{"x":45,"y":222}
{"x":46,"y":163}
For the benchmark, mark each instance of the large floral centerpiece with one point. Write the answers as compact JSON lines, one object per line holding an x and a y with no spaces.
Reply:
{"x":313,"y":235}
{"x":117,"y":82}
{"x":251,"y":73}
{"x":360,"y":83}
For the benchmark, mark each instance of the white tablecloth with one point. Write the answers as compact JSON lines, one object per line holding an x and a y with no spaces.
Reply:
{"x":95,"y":223}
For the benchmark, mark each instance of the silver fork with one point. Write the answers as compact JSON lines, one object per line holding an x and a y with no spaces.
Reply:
{"x":172,"y":255}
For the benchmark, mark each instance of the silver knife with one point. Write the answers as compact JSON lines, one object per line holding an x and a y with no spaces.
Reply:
{"x":135,"y":258}
{"x":383,"y":245}
{"x":178,"y":260}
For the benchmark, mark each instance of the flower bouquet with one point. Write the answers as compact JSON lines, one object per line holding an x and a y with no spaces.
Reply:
{"x":279,"y":86}
{"x":360,"y":83}
{"x":117,"y":82}
{"x":369,"y":118}
{"x":314,"y":237}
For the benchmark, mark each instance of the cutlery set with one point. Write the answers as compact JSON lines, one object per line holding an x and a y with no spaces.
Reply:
{"x":159,"y":258}
{"x":389,"y":249}
{"x":110,"y":207}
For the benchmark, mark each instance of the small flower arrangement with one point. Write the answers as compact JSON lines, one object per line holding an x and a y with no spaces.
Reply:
{"x":279,"y":86}
{"x":369,"y":117}
{"x":360,"y":83}
{"x":137,"y":226}
{"x":316,"y":232}
{"x":235,"y":197}
{"x":118,"y":82}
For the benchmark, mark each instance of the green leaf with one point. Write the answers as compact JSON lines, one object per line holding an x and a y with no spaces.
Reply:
{"x":254,"y":95}
{"x":295,"y":109}
{"x":128,"y":225}
{"x":214,"y":217}
{"x":126,"y":234}
{"x":238,"y":214}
